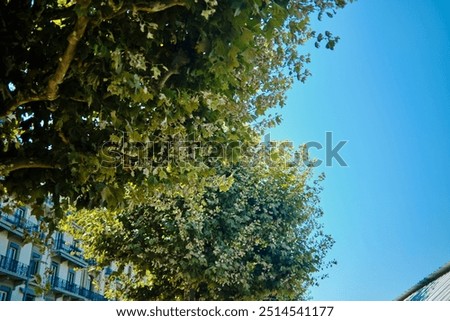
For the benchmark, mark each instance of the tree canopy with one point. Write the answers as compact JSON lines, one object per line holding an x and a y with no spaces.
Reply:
{"x":94,"y":93}
{"x":142,"y":117}
{"x":258,"y":240}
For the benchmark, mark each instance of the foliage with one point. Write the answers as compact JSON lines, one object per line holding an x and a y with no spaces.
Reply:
{"x":92,"y":91}
{"x":258,"y":240}
{"x":142,"y":117}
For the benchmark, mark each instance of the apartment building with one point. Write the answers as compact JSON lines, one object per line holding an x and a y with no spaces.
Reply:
{"x":57,"y":271}
{"x":434,"y":287}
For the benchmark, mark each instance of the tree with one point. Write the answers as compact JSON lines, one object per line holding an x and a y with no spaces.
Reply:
{"x":258,"y":240}
{"x":91,"y":91}
{"x":141,"y":116}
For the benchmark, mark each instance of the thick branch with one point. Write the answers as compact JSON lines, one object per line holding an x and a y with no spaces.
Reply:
{"x":158,"y":6}
{"x":181,"y":59}
{"x":166,"y":77}
{"x":19,"y":101}
{"x":151,"y":7}
{"x":26,"y":164}
{"x":51,"y":92}
{"x":67,"y":57}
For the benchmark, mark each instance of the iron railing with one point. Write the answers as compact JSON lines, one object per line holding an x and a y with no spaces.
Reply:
{"x":19,"y":222}
{"x":60,"y":284}
{"x":13,"y":267}
{"x":71,"y":249}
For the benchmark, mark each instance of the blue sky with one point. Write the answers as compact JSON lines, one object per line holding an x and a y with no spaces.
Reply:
{"x":385,"y":89}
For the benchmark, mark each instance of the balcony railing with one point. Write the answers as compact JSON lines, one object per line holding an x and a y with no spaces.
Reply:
{"x":60,"y":284}
{"x":13,"y":267}
{"x":64,"y":285}
{"x":91,"y":295}
{"x":17,"y":222}
{"x":70,"y":252}
{"x":71,"y":249}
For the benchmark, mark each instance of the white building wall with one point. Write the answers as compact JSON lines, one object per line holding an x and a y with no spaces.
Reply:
{"x":63,"y":270}
{"x":3,"y":242}
{"x":25,"y":253}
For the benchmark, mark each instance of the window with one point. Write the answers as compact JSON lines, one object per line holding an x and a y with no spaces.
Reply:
{"x":34,"y":263}
{"x":5,"y":293}
{"x":59,"y":240}
{"x":29,"y":297}
{"x":91,"y":283}
{"x":71,"y":277}
{"x":12,"y":254}
{"x":13,"y":251}
{"x":19,"y":215}
{"x":71,"y":281}
{"x":20,"y":212}
{"x":54,"y":268}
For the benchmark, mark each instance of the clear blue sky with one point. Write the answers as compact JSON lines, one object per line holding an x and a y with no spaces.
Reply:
{"x":385,"y":89}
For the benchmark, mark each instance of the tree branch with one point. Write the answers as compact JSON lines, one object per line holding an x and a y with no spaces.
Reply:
{"x":19,"y":101}
{"x":67,"y":57}
{"x":181,"y":59}
{"x":158,"y":6}
{"x":166,"y":77}
{"x":25,"y":164}
{"x":51,"y":92}
{"x":151,"y":7}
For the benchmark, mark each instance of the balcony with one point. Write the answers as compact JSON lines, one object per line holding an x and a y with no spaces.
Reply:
{"x":70,"y":252}
{"x":91,"y":295}
{"x":64,"y":287}
{"x":17,"y":224}
{"x":13,"y":268}
{"x":73,"y":290}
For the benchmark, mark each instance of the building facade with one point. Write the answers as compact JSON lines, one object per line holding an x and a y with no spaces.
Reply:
{"x":435,"y":287}
{"x":57,"y":271}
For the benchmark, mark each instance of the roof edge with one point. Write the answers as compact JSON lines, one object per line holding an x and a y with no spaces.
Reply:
{"x":430,"y":278}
